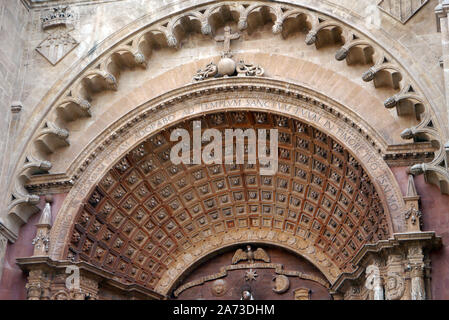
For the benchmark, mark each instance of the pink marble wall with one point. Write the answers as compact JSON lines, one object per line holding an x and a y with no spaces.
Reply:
{"x":435,"y":208}
{"x":12,"y":284}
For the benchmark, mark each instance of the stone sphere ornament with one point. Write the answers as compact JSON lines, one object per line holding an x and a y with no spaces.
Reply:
{"x":226,"y":67}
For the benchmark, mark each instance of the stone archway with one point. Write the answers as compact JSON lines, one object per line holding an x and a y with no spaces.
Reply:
{"x":339,"y":165}
{"x":294,"y":111}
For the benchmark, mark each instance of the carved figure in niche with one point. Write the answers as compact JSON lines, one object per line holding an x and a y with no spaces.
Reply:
{"x":395,"y":286}
{"x":219,"y":288}
{"x":374,"y":282}
{"x":250,"y":256}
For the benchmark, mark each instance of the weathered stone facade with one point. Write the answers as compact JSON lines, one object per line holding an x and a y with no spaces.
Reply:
{"x":91,"y":88}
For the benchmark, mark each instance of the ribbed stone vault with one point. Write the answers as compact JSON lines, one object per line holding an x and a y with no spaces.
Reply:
{"x":146,"y":212}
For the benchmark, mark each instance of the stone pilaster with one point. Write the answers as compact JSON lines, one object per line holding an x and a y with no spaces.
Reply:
{"x":412,"y":215}
{"x":3,"y":245}
{"x":374,"y":281}
{"x":394,"y":278}
{"x":415,"y":268}
{"x":441,"y":12}
{"x":38,"y":286}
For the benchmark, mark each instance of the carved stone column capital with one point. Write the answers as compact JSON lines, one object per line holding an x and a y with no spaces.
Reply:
{"x":416,"y":267}
{"x":37,"y":285}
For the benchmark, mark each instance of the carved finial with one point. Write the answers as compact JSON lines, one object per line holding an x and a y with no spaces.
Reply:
{"x":45,"y":219}
{"x":42,"y":240}
{"x":412,"y":214}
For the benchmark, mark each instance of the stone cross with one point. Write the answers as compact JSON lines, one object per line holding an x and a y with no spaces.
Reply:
{"x":226,"y":39}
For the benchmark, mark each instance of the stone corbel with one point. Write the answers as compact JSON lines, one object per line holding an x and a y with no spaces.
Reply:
{"x":383,"y":73}
{"x":72,"y":108}
{"x":51,"y":137}
{"x":406,"y":102}
{"x":21,"y":208}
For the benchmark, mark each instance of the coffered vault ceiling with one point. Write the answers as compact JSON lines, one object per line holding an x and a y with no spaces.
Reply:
{"x":146,"y":212}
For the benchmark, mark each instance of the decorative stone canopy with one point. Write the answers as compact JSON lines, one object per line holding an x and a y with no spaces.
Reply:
{"x":147,"y":214}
